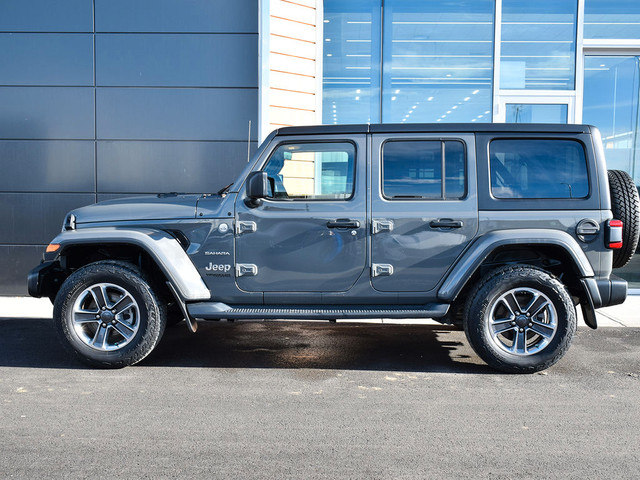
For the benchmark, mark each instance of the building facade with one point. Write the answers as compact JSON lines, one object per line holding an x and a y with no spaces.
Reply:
{"x":556,"y":61}
{"x":107,"y":98}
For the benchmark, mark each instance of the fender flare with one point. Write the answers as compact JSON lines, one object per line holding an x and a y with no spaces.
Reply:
{"x":161,"y":247}
{"x":479,"y":250}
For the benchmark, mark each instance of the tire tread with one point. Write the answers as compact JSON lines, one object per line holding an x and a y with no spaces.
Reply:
{"x":625,"y":206}
{"x":155,"y":308}
{"x":478,"y":301}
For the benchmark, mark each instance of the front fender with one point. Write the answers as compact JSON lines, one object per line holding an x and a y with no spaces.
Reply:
{"x":482,"y":248}
{"x":161,"y":246}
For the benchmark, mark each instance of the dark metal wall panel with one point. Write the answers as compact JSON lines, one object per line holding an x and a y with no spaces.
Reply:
{"x":152,"y":167}
{"x":47,"y":166}
{"x":103,"y":197}
{"x":189,"y":133}
{"x":177,"y":60}
{"x":16,"y":262}
{"x":46,"y":59}
{"x":239,"y":16}
{"x":35,"y":218}
{"x":176,"y":113}
{"x":46,"y":112}
{"x":46,"y":16}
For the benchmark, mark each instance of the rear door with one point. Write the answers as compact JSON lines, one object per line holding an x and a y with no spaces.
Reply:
{"x":424,"y":208}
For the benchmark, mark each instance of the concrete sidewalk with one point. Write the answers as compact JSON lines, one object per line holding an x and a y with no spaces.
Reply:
{"x":625,"y":315}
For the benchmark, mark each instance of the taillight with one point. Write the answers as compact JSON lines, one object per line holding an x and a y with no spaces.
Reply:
{"x":614,"y":234}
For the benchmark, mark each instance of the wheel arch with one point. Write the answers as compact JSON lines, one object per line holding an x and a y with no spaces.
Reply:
{"x":152,"y":249}
{"x":549,"y":250}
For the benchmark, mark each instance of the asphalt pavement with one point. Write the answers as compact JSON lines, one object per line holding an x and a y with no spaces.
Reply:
{"x":292,"y":400}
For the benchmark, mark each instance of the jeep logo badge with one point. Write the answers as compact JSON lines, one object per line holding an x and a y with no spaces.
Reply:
{"x":214,"y":267}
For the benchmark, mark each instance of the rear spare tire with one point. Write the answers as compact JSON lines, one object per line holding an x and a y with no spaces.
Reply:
{"x":625,"y":206}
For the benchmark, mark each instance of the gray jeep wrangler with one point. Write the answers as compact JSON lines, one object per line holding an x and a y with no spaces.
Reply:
{"x":503,"y":229}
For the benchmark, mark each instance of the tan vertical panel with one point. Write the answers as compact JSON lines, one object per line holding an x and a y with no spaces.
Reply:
{"x":294,"y":74}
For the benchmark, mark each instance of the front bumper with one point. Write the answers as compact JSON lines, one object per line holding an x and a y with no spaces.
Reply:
{"x":42,"y":280}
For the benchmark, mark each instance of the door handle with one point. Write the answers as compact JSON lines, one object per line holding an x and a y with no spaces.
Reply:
{"x":343,"y":223}
{"x":446,"y":223}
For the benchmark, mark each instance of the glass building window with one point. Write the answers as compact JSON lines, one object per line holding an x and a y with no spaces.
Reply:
{"x":612,"y":19}
{"x":437,"y":61}
{"x":611,"y":103}
{"x":536,"y":113}
{"x":538,"y":44}
{"x":351,"y":62}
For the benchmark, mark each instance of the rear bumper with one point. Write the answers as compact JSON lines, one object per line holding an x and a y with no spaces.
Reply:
{"x":606,"y":292}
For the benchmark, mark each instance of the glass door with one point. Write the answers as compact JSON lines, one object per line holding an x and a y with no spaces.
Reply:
{"x":611,"y":102}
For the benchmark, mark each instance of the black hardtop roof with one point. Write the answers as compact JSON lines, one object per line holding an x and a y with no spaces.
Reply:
{"x":435,"y":127}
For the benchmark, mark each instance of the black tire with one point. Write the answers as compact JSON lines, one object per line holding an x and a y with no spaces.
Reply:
{"x":625,"y":206}
{"x":100,"y":343}
{"x":489,"y":298}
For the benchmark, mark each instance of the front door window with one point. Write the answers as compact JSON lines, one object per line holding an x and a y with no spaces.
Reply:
{"x":312,"y":171}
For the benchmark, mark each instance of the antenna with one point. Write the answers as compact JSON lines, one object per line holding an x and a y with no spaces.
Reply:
{"x":249,"y":143}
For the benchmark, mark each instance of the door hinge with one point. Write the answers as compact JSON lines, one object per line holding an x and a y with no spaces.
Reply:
{"x":381,"y":270}
{"x":246,"y":270}
{"x":378,"y":226}
{"x":246,"y":227}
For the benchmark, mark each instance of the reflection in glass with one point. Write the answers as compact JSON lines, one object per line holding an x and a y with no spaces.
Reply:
{"x":611,"y":103}
{"x":612,"y":19}
{"x":412,"y":169}
{"x":312,"y":171}
{"x":438,"y":60}
{"x":538,"y":46}
{"x":611,"y":100}
{"x":351,"y":62}
{"x":538,"y":169}
{"x":536,"y":113}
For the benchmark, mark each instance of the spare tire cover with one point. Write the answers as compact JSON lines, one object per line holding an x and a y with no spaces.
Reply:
{"x":625,"y":206}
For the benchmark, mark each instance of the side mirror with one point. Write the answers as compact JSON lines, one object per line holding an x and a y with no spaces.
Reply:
{"x":257,"y":188}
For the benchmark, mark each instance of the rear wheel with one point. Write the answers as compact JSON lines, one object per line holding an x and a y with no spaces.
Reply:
{"x":520,"y":319}
{"x":107,"y":314}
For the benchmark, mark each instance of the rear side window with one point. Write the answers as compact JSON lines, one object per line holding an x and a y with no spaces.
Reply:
{"x":413,"y":169}
{"x":535,"y":168}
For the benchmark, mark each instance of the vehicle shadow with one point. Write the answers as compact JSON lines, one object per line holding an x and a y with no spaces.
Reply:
{"x":287,"y":345}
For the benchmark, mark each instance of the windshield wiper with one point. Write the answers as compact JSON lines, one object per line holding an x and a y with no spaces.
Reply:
{"x":224,"y":190}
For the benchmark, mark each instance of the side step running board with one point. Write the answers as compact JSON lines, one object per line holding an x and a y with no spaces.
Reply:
{"x":217,"y":310}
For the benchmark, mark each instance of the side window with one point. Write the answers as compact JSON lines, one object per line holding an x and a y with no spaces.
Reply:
{"x":312,"y":171}
{"x":536,"y":168}
{"x":414,"y":169}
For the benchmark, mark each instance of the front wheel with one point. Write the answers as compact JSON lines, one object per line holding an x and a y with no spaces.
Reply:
{"x":107,"y":314}
{"x":520,"y":319}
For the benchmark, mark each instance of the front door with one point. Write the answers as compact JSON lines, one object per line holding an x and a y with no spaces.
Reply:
{"x":310,"y":235}
{"x":424,"y":208}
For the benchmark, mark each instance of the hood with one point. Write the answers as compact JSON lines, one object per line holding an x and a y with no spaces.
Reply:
{"x":157,"y":207}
